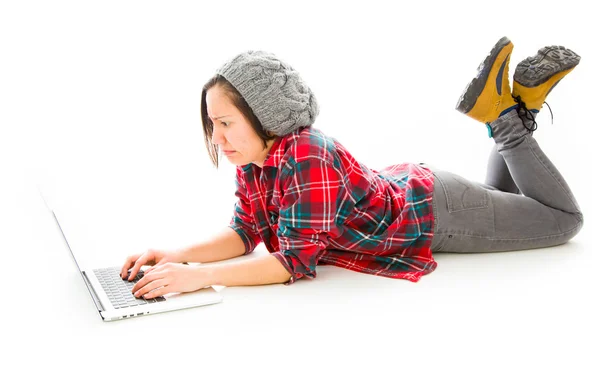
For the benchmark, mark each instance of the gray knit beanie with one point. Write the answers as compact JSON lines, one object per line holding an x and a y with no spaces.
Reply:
{"x":279,"y":98}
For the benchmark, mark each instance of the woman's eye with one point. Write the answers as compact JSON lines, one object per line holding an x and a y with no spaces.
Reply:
{"x":224,"y":123}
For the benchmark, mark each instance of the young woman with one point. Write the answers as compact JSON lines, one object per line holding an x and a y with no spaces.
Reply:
{"x":303,"y":195}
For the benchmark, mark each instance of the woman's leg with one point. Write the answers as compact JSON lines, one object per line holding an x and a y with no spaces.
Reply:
{"x":530,"y":168}
{"x":531,"y":98}
{"x":498,"y":175}
{"x":471,"y":218}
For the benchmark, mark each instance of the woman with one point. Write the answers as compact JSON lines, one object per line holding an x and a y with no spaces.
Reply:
{"x":310,"y":202}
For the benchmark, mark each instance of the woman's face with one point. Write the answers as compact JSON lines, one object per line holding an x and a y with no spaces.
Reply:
{"x":234,"y":135}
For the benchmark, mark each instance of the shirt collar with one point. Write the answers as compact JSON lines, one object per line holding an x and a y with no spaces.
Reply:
{"x":279,"y":147}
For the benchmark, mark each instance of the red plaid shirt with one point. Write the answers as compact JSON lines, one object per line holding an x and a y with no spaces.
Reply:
{"x":313,"y":203}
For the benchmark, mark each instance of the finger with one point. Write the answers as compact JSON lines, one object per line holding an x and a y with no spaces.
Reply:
{"x":142,"y":282}
{"x":153,"y":285}
{"x":152,"y":268}
{"x":147,"y":278}
{"x":158,"y":292}
{"x":128,"y":263}
{"x":138,"y":265}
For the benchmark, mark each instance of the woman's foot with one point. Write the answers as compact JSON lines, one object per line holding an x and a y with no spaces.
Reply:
{"x":536,"y":76}
{"x":488,"y":96}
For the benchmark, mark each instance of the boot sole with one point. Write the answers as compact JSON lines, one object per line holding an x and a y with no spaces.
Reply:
{"x":549,"y":61}
{"x":469,"y":97}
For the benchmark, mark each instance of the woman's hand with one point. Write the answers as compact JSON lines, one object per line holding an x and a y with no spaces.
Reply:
{"x":149,"y":258}
{"x":167,"y":278}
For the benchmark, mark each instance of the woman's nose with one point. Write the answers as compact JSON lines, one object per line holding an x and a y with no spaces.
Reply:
{"x":217,"y":137}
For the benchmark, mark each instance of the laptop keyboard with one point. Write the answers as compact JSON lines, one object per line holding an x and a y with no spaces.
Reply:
{"x":119,"y":290}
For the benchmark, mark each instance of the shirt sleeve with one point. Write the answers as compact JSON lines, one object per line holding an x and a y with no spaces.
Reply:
{"x":312,"y":209}
{"x":242,"y":221}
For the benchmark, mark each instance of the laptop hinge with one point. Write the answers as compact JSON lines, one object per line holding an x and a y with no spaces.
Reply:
{"x":93,"y":293}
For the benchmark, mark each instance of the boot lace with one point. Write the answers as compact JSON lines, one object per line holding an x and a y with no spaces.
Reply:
{"x":529,"y":114}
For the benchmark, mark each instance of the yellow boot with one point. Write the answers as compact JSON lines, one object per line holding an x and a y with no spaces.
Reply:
{"x":488,"y":96}
{"x":536,"y":76}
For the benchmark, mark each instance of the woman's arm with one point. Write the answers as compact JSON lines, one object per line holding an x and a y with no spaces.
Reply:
{"x":173,"y":277}
{"x":225,"y":245}
{"x":255,"y":271}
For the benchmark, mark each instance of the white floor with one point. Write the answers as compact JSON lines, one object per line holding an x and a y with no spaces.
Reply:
{"x":103,"y":111}
{"x":516,"y":314}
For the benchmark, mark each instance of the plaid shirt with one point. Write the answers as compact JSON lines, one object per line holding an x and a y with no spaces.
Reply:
{"x":313,"y":203}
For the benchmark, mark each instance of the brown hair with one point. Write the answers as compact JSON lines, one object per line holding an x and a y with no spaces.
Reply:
{"x":238,"y":101}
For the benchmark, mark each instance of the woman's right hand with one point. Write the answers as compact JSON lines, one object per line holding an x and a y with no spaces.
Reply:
{"x":150,"y":258}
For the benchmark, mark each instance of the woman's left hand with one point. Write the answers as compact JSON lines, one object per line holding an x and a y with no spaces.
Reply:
{"x":168,"y":278}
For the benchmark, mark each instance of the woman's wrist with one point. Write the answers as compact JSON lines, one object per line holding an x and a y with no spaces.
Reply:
{"x":181,"y":256}
{"x":255,"y":271}
{"x":209,"y":274}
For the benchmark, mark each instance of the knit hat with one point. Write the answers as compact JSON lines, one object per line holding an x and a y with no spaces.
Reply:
{"x":279,"y":98}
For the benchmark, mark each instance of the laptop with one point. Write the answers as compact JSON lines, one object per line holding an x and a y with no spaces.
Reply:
{"x":112,"y":295}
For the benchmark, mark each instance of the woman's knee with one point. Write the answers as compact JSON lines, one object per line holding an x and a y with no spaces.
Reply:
{"x":579,"y":224}
{"x":574,"y":226}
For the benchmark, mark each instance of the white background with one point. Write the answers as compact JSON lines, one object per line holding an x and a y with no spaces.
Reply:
{"x":99,"y":103}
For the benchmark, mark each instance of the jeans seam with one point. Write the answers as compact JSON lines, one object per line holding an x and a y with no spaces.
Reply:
{"x":448,"y":199}
{"x":446,"y":233}
{"x":434,"y":206}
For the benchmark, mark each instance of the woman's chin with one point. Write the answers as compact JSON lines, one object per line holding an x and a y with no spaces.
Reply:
{"x":236,"y":159}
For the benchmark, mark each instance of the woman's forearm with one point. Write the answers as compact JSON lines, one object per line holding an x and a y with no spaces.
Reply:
{"x":256,"y":271}
{"x":225,"y":245}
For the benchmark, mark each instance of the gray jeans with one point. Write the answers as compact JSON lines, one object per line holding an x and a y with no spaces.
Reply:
{"x":524,"y":204}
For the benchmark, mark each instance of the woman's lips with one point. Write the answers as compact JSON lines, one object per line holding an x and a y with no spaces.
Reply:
{"x":229,"y":152}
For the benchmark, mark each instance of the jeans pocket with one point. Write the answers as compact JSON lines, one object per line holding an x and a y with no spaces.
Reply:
{"x":462,"y":194}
